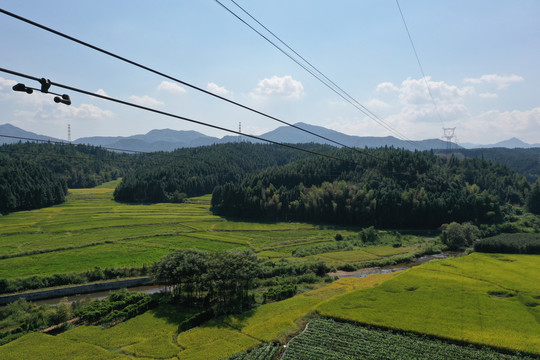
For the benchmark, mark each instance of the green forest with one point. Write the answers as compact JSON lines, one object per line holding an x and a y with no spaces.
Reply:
{"x":389,"y":188}
{"x":384,"y":187}
{"x":25,"y":185}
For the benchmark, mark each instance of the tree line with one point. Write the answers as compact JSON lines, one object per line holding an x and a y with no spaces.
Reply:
{"x":393,"y":188}
{"x":81,"y":166}
{"x":196,"y":171}
{"x":523,"y":161}
{"x":26,"y":186}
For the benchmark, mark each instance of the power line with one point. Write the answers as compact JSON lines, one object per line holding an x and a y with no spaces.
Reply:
{"x":419,"y":64}
{"x":126,"y":103}
{"x":327,"y":82}
{"x":170,"y":77}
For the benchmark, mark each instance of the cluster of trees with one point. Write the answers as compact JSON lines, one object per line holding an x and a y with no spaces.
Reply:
{"x":21,"y":317}
{"x":523,"y":161}
{"x":25,"y":186}
{"x":220,"y":280}
{"x":81,"y":166}
{"x":196,"y":171}
{"x":455,"y":235}
{"x":393,"y":188}
{"x":533,"y":200}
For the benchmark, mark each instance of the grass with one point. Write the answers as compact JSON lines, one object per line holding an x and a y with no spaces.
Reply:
{"x":213,"y":340}
{"x":91,"y":229}
{"x":42,"y":346}
{"x":487,"y":299}
{"x":265,"y":323}
{"x":484,"y":299}
{"x":154,"y":333}
{"x":151,"y":334}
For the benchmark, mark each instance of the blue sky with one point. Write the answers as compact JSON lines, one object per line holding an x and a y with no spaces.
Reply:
{"x":480,"y":59}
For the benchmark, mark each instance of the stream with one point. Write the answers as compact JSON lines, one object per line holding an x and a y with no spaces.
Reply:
{"x":150,"y":289}
{"x":360,"y":273}
{"x":98,"y":295}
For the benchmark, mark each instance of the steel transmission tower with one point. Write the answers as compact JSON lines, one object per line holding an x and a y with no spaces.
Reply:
{"x":448,"y":134}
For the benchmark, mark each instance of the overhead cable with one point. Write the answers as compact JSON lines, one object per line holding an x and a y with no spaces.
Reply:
{"x":160,"y":112}
{"x":420,"y":64}
{"x":56,"y":32}
{"x":326,"y":81}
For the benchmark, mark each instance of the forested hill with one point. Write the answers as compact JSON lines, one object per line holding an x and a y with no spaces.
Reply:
{"x":25,"y":186}
{"x":81,"y":166}
{"x":394,"y":188}
{"x":524,"y":161}
{"x":196,"y":171}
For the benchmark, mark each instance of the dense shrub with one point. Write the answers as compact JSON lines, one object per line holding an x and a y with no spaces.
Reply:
{"x":457,"y":235}
{"x":280,"y":293}
{"x":96,"y":274}
{"x":510,"y":243}
{"x":119,"y":305}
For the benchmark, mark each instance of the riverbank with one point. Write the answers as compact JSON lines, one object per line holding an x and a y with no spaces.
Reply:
{"x":75,"y":290}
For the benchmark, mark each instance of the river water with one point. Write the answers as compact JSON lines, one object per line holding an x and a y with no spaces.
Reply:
{"x":98,"y":295}
{"x":360,"y":273}
{"x":150,"y":289}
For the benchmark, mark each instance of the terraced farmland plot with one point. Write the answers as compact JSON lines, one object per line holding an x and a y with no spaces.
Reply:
{"x":485,"y":299}
{"x":150,"y":335}
{"x":265,"y":323}
{"x":91,"y":229}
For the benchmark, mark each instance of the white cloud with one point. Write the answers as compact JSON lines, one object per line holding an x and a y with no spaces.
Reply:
{"x":387,"y":87}
{"x":416,"y":103}
{"x":376,"y":104}
{"x":500,"y":81}
{"x":86,"y":111}
{"x":6,"y":84}
{"x":492,"y":126}
{"x":171,"y":87}
{"x":282,"y":87}
{"x":101,"y":92}
{"x":146,"y":100}
{"x":488,"y":95}
{"x":216,"y":89}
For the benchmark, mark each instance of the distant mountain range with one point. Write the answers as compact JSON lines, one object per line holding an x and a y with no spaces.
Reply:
{"x":168,"y":140}
{"x":510,"y":144}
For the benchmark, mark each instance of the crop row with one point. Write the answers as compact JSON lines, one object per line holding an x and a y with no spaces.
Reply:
{"x":327,"y":339}
{"x":262,"y":352}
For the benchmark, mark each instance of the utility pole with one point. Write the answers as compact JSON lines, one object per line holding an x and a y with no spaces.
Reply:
{"x":69,"y":133}
{"x":240,"y":131}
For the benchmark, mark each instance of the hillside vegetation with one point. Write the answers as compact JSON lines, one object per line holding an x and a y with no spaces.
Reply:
{"x":192,"y":172}
{"x":110,"y":239}
{"x":26,"y":186}
{"x":390,"y":188}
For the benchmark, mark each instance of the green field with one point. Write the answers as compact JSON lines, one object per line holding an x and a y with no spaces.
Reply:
{"x":154,"y":333}
{"x":489,"y":299}
{"x":150,"y":335}
{"x":327,"y":339}
{"x":91,"y":229}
